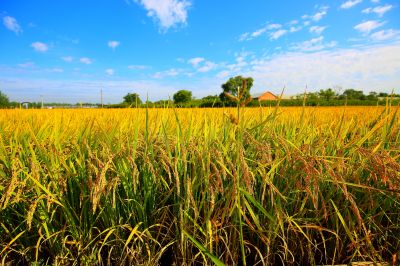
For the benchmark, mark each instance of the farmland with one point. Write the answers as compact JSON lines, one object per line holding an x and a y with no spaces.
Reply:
{"x":293,"y":185}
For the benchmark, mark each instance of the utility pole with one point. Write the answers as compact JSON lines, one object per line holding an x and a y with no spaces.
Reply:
{"x":101,"y":95}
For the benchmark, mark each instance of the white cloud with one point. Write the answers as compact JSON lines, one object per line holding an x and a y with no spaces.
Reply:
{"x":68,"y":59}
{"x":244,"y":37}
{"x":196,"y":61}
{"x":314,"y":44}
{"x":375,"y":1}
{"x":273,"y":26}
{"x":173,"y":72}
{"x":368,"y":26}
{"x":249,"y":36}
{"x":295,"y":29}
{"x":350,"y":3}
{"x":367,"y":68}
{"x":40,"y":47}
{"x":73,"y":91}
{"x":375,"y":67}
{"x":207,"y":66}
{"x":26,"y":64}
{"x":201,"y":64}
{"x":322,"y":12}
{"x":86,"y":60}
{"x":167,"y":12}
{"x":113,"y":44}
{"x":318,"y":16}
{"x":258,"y":32}
{"x":12,"y":24}
{"x":223,"y":74}
{"x":379,"y":10}
{"x":317,"y":29}
{"x":55,"y":70}
{"x":277,"y":34}
{"x":109,"y":71}
{"x":137,"y":67}
{"x":384,"y":35}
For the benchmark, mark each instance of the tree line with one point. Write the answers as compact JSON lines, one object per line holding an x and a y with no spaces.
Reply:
{"x":234,"y":91}
{"x":237,"y":90}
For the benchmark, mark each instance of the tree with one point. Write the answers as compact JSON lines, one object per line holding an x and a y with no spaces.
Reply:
{"x":132,"y":99}
{"x":4,"y":102}
{"x":327,"y":94}
{"x":310,"y":96}
{"x":237,"y":89}
{"x":210,"y":101}
{"x":373,"y":96}
{"x":182,"y":96}
{"x":352,"y":94}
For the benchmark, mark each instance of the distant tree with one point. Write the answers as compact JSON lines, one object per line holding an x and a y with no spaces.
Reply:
{"x":310,"y":96}
{"x":132,"y":99}
{"x":383,"y":94}
{"x":352,"y":94}
{"x":237,"y":89}
{"x":373,"y":96}
{"x":327,"y":94}
{"x":162,"y":103}
{"x":210,"y":101}
{"x":182,"y":96}
{"x":4,"y":102}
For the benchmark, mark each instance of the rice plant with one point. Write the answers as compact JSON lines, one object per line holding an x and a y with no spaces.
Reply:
{"x":245,"y":186}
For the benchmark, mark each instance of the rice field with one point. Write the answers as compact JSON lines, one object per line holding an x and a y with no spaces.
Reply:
{"x":246,"y":186}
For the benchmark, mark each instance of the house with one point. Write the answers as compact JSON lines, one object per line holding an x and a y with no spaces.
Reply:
{"x":265,"y":96}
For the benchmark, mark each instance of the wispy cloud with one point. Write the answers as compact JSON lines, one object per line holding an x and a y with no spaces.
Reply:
{"x":368,"y":26}
{"x":350,"y":4}
{"x":223,"y":74}
{"x":137,"y":67}
{"x":379,"y":10}
{"x":40,"y":47}
{"x":26,"y":64}
{"x":68,"y":59}
{"x":277,"y":34}
{"x":384,"y":35}
{"x":167,"y":13}
{"x":110,"y":71}
{"x":85,"y":60}
{"x":317,"y":29}
{"x":315,"y":44}
{"x":295,"y":29}
{"x":113,"y":44}
{"x":322,"y":12}
{"x":201,"y":64}
{"x":257,"y":33}
{"x":173,"y":72}
{"x":322,"y":69}
{"x":195,"y":61}
{"x":12,"y":24}
{"x":275,"y":30}
{"x":72,"y":91}
{"x":55,"y":70}
{"x":207,"y":66}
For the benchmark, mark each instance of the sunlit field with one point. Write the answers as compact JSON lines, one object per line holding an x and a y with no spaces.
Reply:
{"x":248,"y":186}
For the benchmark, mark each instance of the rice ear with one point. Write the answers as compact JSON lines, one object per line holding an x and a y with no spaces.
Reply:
{"x":231,"y":97}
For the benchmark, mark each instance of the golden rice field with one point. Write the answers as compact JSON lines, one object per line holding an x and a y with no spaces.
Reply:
{"x":251,"y":186}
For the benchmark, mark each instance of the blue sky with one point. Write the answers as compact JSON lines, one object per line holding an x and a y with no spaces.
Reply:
{"x":67,"y":51}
